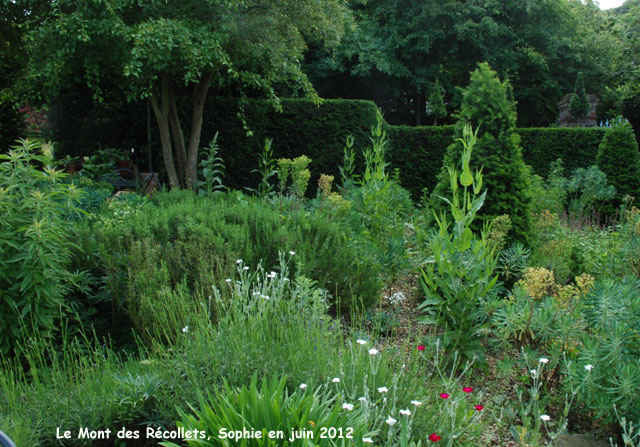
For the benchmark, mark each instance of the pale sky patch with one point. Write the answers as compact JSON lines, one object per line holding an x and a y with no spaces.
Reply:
{"x":608,"y":4}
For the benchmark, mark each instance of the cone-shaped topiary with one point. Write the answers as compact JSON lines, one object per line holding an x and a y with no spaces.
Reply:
{"x":618,"y":158}
{"x":487,"y":107}
{"x":579,"y":103}
{"x":437,"y":109}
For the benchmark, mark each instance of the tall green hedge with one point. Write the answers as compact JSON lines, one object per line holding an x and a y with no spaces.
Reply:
{"x":319,"y":132}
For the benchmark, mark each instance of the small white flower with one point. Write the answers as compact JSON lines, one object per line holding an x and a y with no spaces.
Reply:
{"x":292,"y":253}
{"x":406,"y":412}
{"x":336,"y":380}
{"x":256,"y":293}
{"x":544,"y":360}
{"x":347,"y":407}
{"x":367,"y":440}
{"x":417,"y":403}
{"x":362,"y":399}
{"x":285,"y":279}
{"x":588,"y":367}
{"x":303,"y":386}
{"x":228,"y":280}
{"x":361,"y":342}
{"x":246,"y":267}
{"x":271,"y":275}
{"x":266,"y":297}
{"x":545,"y":417}
{"x":185,"y":329}
{"x":373,"y":351}
{"x":239,"y":261}
{"x":391,"y":421}
{"x":533,"y":372}
{"x":383,"y":389}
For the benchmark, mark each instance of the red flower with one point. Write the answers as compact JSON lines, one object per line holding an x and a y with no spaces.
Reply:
{"x":478,"y":407}
{"x":420,"y":348}
{"x":434,"y":438}
{"x":444,"y":395}
{"x":467,"y":389}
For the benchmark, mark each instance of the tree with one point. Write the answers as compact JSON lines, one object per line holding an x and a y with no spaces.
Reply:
{"x":437,"y":109}
{"x":618,"y":158}
{"x":579,"y":103}
{"x":158,"y":50}
{"x":486,"y":106}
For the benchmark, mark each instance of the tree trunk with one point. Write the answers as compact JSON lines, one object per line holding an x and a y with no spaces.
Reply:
{"x":199,"y":97}
{"x":160,"y":103}
{"x":178,"y":138}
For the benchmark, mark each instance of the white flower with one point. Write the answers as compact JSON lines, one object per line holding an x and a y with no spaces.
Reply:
{"x":406,"y":412}
{"x":228,"y":280}
{"x":303,"y":386}
{"x":362,"y":399}
{"x":266,"y":297}
{"x":246,"y":267}
{"x":588,"y":367}
{"x":382,"y":389}
{"x":533,"y":372}
{"x":336,"y":380}
{"x":347,"y":407}
{"x":417,"y":403}
{"x":367,"y":440}
{"x":285,"y":279}
{"x":545,"y":417}
{"x":391,"y":421}
{"x":373,"y":351}
{"x":361,"y":342}
{"x":271,"y":275}
{"x":185,"y":329}
{"x":239,"y":261}
{"x":292,"y":253}
{"x":544,"y":360}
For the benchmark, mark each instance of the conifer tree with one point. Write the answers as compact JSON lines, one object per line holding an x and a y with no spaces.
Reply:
{"x":437,"y":109}
{"x":618,"y":157}
{"x":579,"y":103}
{"x":487,"y":107}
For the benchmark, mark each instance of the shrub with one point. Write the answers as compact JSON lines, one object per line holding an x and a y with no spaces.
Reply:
{"x":35,"y":253}
{"x":487,"y":107}
{"x":195,"y":241}
{"x":619,"y":159}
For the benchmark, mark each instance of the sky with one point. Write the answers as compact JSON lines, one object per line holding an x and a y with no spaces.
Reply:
{"x":606,"y":4}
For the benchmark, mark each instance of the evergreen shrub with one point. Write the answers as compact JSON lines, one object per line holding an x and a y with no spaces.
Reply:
{"x":618,"y":158}
{"x":487,"y":107}
{"x":181,"y":245}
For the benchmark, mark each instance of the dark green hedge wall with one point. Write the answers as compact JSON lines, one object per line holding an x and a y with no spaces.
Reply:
{"x":319,"y":132}
{"x":302,"y":128}
{"x":578,"y":147}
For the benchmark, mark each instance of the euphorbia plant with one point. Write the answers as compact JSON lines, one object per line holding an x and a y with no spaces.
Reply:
{"x":461,"y":271}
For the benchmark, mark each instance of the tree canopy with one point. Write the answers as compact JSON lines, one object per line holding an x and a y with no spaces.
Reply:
{"x":157,"y":49}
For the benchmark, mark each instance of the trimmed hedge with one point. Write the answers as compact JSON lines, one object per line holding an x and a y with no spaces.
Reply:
{"x":302,"y":128}
{"x":319,"y":132}
{"x":577,"y":146}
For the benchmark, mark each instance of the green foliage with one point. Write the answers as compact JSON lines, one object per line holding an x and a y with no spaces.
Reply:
{"x":272,"y":408}
{"x":588,"y":190}
{"x":579,"y":103}
{"x":549,"y":195}
{"x":180,"y":245}
{"x":436,"y":107}
{"x":487,"y":107}
{"x":211,"y":170}
{"x":460,"y":274}
{"x":611,"y":311}
{"x":36,"y":245}
{"x":267,"y":169}
{"x":619,"y":159}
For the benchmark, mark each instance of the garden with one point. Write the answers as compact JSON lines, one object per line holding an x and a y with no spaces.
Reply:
{"x":306,"y":271}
